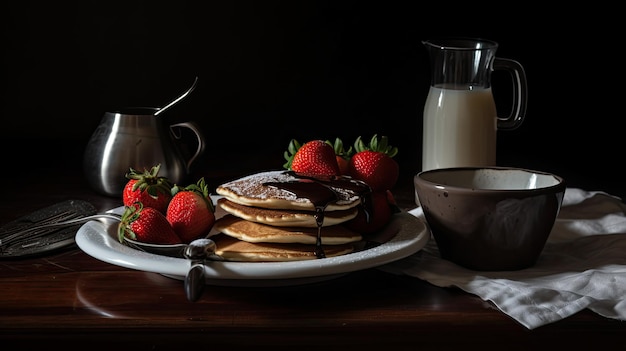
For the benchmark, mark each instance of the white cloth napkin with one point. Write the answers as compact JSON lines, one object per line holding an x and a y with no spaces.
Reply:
{"x":583,"y":265}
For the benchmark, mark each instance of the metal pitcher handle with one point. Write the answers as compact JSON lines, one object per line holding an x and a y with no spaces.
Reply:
{"x":199,"y":139}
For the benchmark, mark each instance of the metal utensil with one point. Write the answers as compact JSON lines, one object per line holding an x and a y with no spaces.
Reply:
{"x":47,"y":229}
{"x":162,"y":109}
{"x":198,"y":252}
{"x":39,"y":229}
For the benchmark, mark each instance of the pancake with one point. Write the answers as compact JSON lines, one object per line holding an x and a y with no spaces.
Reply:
{"x":285,"y":218}
{"x":256,"y":232}
{"x":233,"y":249}
{"x":253,"y":190}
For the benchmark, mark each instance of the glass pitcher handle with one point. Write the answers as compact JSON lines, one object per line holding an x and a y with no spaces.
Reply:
{"x":520,"y":92}
{"x":199,"y":139}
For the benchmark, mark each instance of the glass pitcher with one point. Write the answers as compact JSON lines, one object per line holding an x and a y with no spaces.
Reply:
{"x":460,"y":119}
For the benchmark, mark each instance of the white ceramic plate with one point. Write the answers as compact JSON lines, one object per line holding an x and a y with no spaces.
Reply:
{"x":99,"y":239}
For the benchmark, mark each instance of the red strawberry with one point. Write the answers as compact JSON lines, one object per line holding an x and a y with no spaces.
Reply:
{"x":392,"y":202}
{"x":341,"y":154}
{"x":343,"y":165}
{"x":146,"y":224}
{"x":374,"y":214}
{"x":191,"y":211}
{"x":147,"y":188}
{"x":374,"y":164}
{"x":315,"y":157}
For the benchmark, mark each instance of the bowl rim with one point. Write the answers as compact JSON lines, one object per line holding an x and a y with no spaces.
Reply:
{"x":560,"y":180}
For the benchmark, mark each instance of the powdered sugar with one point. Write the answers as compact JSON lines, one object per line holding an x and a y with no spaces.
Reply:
{"x":252,"y":187}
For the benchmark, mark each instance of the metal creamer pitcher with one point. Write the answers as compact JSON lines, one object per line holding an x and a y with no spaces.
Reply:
{"x":136,"y":138}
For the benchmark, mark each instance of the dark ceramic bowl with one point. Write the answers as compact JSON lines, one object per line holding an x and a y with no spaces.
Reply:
{"x":490,"y":218}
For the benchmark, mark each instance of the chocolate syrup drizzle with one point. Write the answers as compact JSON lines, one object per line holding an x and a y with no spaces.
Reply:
{"x":321,"y":191}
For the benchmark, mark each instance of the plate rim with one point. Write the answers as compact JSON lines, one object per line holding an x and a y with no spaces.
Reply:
{"x":96,"y":239}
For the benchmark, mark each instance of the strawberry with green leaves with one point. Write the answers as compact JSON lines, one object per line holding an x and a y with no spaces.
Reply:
{"x":146,"y":224}
{"x":148,"y":188}
{"x":191,"y":212}
{"x":373,"y":163}
{"x":315,"y":157}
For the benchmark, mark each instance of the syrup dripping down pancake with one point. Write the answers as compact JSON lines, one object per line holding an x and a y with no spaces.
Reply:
{"x":282,"y":199}
{"x":285,"y":218}
{"x":256,"y":232}
{"x":253,"y":190}
{"x":233,"y":249}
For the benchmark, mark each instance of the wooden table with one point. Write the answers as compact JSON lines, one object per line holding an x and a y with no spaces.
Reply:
{"x":70,"y":300}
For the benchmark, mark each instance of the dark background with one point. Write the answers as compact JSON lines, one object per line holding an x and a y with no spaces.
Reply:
{"x":275,"y":70}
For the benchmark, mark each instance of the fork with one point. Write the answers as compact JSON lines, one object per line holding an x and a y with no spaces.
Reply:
{"x":61,"y":216}
{"x":8,"y":236}
{"x":49,"y":226}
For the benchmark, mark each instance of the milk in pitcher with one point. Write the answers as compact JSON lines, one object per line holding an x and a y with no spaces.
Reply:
{"x":460,"y":127}
{"x":460,"y":120}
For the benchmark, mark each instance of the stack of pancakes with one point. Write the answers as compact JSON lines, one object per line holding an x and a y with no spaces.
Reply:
{"x":275,"y":216}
